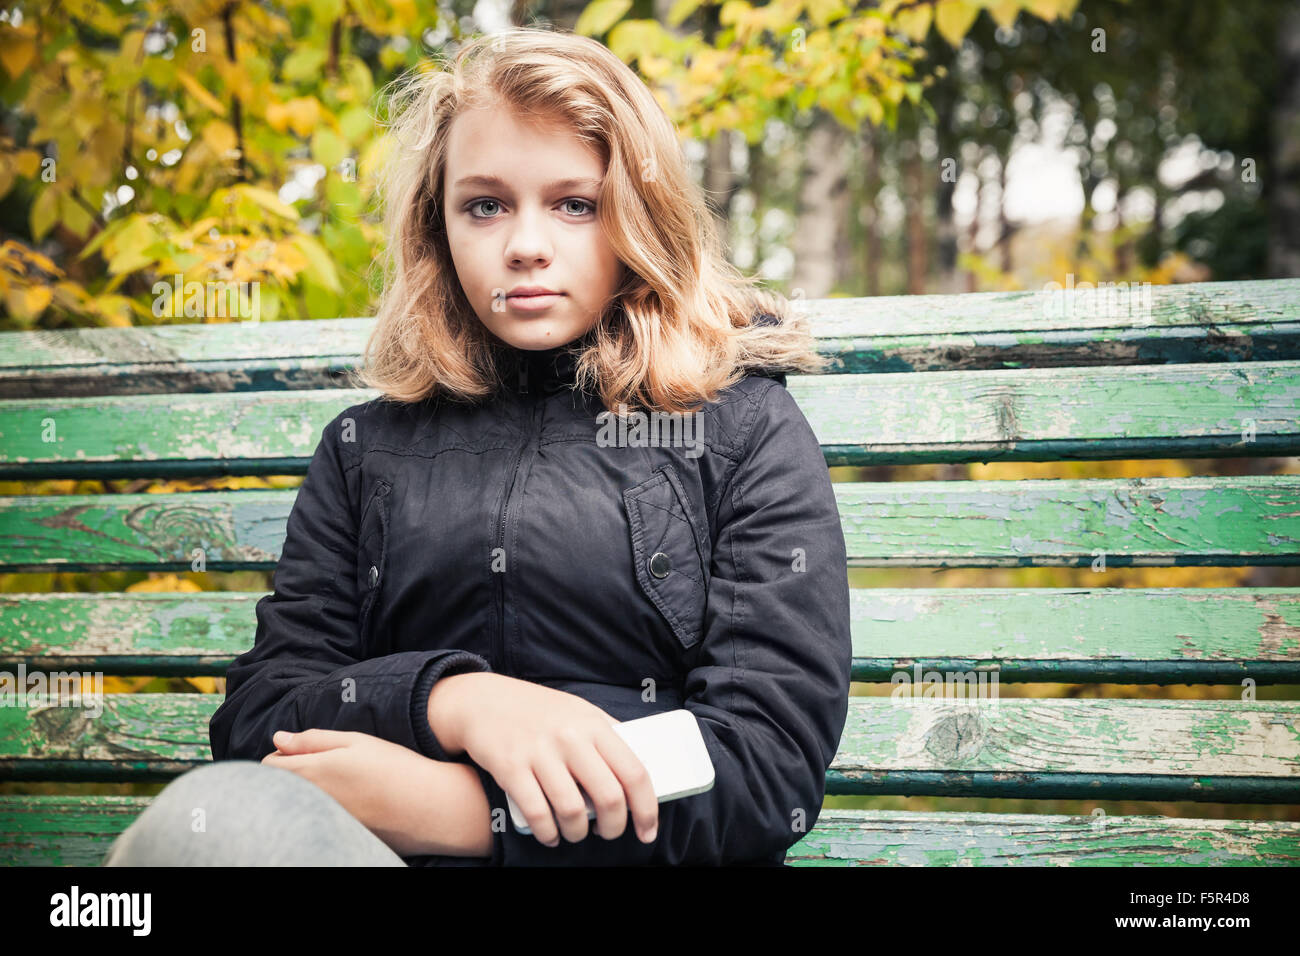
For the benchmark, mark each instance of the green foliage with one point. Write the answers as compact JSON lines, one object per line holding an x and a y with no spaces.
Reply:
{"x":199,"y":119}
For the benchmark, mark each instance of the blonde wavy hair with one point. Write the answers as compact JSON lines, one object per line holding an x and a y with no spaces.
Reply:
{"x":684,"y":323}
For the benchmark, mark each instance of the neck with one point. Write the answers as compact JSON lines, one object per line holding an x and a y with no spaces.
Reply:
{"x":538,"y":372}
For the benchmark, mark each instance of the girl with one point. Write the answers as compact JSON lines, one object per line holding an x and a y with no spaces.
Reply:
{"x":480,"y":576}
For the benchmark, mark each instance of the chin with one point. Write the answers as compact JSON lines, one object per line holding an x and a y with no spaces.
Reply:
{"x":537,"y":335}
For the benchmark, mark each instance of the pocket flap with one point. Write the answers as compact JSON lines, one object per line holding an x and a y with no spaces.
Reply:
{"x":669,"y":552}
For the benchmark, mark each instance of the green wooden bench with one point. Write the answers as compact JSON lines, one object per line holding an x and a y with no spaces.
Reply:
{"x":1213,"y":370}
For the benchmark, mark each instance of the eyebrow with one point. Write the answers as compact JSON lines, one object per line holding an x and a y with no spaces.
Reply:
{"x":499,"y":183}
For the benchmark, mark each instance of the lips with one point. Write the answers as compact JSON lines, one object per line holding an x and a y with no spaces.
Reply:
{"x":533,"y":302}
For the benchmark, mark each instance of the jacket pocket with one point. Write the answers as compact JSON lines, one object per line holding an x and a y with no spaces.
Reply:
{"x":372,"y":553}
{"x":670,"y":553}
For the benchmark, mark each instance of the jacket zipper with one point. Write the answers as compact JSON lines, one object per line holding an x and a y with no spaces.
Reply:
{"x":503,"y":655}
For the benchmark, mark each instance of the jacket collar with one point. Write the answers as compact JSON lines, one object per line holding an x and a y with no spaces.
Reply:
{"x":545,"y":372}
{"x":549,"y":371}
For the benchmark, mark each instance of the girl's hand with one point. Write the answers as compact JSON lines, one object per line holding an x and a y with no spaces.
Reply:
{"x":393,"y":790}
{"x":540,"y":744}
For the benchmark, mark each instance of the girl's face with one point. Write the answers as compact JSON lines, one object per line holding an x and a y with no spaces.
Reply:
{"x":520,"y":207}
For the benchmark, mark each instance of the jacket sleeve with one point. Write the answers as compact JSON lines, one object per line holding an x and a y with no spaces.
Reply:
{"x":770,"y":684}
{"x":308,"y":667}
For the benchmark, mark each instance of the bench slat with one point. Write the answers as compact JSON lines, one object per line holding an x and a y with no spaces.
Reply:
{"x":1157,"y":522}
{"x":1189,"y":635}
{"x":1018,"y":747}
{"x":44,"y":830}
{"x":1201,"y":521}
{"x":918,"y":838}
{"x":1143,"y":411}
{"x":1160,"y":411}
{"x":1216,"y":321}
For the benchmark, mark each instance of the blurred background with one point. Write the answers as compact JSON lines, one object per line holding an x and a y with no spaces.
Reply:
{"x":874,"y":149}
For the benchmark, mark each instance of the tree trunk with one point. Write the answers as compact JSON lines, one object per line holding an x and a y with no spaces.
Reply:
{"x":972,"y":234}
{"x":822,"y":202}
{"x":871,"y":268}
{"x":1284,"y":210}
{"x":914,"y":188}
{"x":1004,"y":225}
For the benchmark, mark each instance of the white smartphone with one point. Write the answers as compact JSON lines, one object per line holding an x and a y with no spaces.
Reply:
{"x":671,"y":748}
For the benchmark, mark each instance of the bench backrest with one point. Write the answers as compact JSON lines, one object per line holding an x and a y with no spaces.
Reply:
{"x":1208,"y":370}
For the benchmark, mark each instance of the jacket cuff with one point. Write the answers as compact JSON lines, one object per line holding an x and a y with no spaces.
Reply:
{"x":456,"y":662}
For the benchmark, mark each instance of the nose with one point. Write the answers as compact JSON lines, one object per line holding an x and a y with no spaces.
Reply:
{"x":528,"y":243}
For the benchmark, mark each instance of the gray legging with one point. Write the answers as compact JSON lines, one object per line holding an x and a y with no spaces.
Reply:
{"x":253,"y":815}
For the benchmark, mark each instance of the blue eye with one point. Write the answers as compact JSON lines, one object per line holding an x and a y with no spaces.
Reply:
{"x":589,"y":207}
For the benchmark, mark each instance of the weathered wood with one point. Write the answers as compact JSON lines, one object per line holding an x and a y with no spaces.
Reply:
{"x":1203,"y":521}
{"x":215,"y":357}
{"x":1158,"y":522}
{"x":1189,"y":635}
{"x":917,"y":838}
{"x":1207,"y":370}
{"x":1198,"y":322}
{"x":172,"y":634}
{"x":78,"y":831}
{"x":999,"y":747}
{"x":1247,"y":409}
{"x":1145,"y":411}
{"x":1067,"y":635}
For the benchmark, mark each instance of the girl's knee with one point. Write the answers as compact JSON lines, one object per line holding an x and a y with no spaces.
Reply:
{"x":237,"y":810}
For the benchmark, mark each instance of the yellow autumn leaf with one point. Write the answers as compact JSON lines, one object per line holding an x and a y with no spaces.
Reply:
{"x":268,"y":201}
{"x":320,"y":266}
{"x":1051,"y":9}
{"x":124,"y":685}
{"x":27,"y":162}
{"x":600,"y":15}
{"x":196,"y":90}
{"x":301,"y":114}
{"x":680,"y":10}
{"x":36,"y":298}
{"x":45,"y":211}
{"x":953,"y":18}
{"x":164,"y":583}
{"x":17,"y":49}
{"x":219,"y":137}
{"x":914,"y":22}
{"x":42,"y":261}
{"x":1005,"y":12}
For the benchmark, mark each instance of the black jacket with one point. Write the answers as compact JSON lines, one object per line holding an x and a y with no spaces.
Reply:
{"x":642,"y":579}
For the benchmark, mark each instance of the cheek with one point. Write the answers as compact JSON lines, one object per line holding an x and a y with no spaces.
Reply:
{"x":604,"y":269}
{"x":463,"y":256}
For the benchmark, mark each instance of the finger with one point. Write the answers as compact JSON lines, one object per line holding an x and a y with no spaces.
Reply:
{"x":528,"y":796}
{"x":312,"y":741}
{"x":636,"y":782}
{"x":298,"y":763}
{"x":593,"y":775}
{"x":564,"y":796}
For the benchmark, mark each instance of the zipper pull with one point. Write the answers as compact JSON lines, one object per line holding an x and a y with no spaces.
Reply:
{"x":523,"y":378}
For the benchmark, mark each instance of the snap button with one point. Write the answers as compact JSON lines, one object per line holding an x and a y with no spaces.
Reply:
{"x":374,"y":575}
{"x":660,"y":565}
